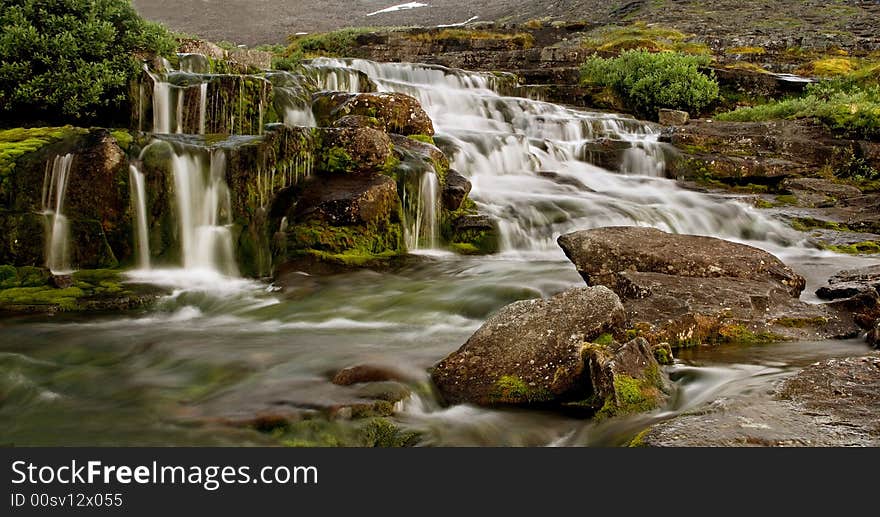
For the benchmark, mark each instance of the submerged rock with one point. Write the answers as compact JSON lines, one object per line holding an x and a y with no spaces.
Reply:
{"x":368,"y":373}
{"x":685,"y":290}
{"x":531,"y":351}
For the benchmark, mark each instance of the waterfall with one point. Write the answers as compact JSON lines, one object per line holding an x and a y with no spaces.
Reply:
{"x":203,"y":106}
{"x":139,"y":201}
{"x":163,"y":107}
{"x":57,"y":226}
{"x":530,"y":172}
{"x":421,"y":213}
{"x":204,"y":211}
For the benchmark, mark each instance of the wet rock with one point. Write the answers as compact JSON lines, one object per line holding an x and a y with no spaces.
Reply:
{"x":873,"y":337}
{"x":818,"y":191}
{"x":851,"y":282}
{"x":396,"y":112}
{"x":355,"y":121}
{"x":61,"y":281}
{"x":531,"y":351}
{"x":96,"y":200}
{"x":471,"y":233}
{"x":455,"y":191}
{"x":359,"y":151}
{"x":345,"y":200}
{"x":601,"y":254}
{"x":754,"y":152}
{"x":364,"y":373}
{"x":669,"y":117}
{"x":832,"y":403}
{"x":682,"y":290}
{"x":625,"y":378}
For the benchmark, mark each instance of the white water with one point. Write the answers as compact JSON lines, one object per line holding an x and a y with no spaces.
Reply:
{"x":204,"y":212}
{"x":422,"y":226}
{"x":139,"y":201}
{"x":526,"y":161}
{"x":57,"y":226}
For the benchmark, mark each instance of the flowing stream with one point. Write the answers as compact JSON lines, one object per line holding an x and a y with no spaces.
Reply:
{"x":221,"y":348}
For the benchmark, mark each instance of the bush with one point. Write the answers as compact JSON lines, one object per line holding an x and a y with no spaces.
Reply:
{"x":649,"y":81}
{"x":71,"y":60}
{"x":843,"y":106}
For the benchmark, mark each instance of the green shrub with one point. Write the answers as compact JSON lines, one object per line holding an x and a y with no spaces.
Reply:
{"x":649,"y":81}
{"x":71,"y":60}
{"x":843,"y":106}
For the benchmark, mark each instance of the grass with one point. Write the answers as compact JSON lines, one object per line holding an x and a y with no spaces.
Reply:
{"x":521,"y":39}
{"x":642,"y":36}
{"x":843,"y":106}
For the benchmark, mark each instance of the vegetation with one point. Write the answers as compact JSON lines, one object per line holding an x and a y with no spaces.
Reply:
{"x":649,"y":81}
{"x":845,"y":106}
{"x":641,"y":36}
{"x":71,"y":61}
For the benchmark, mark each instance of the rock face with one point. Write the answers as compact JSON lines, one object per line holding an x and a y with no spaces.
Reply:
{"x":396,"y":112}
{"x":95,"y":203}
{"x":851,"y":282}
{"x":341,"y":200}
{"x":686,"y":290}
{"x":601,"y":254}
{"x":673,"y":117}
{"x":531,"y":351}
{"x":758,"y":152}
{"x":831,"y":403}
{"x":455,"y":191}
{"x":356,"y":150}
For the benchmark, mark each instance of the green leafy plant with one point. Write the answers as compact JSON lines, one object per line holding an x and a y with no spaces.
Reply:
{"x":647,"y":81}
{"x":71,"y":60}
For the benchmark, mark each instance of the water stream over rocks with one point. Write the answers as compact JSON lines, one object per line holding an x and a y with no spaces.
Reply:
{"x":221,"y":348}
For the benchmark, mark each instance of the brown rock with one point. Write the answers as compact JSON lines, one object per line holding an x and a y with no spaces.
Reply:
{"x":397,"y":112}
{"x":530,"y":351}
{"x":455,"y":190}
{"x":359,"y":151}
{"x":669,"y":117}
{"x":345,"y":200}
{"x":601,"y":254}
{"x":367,"y":373}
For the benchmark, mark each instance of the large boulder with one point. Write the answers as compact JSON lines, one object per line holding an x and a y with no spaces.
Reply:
{"x":354,"y":150}
{"x":601,"y":254}
{"x":531,"y":351}
{"x":397,"y":112}
{"x":344,"y":200}
{"x":685,"y":290}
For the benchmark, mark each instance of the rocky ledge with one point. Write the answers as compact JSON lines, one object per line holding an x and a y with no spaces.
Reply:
{"x":833,"y":403}
{"x":685,"y":290}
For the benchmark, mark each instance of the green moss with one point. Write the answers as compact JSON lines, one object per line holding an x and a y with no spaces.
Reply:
{"x":604,"y":340}
{"x":30,"y":276}
{"x":745,"y":51}
{"x":8,"y":276}
{"x":346,"y":245}
{"x":336,"y":160}
{"x":663,"y":354}
{"x":18,"y":142}
{"x":630,"y":396}
{"x":510,"y":389}
{"x":805,"y":224}
{"x":639,"y":439}
{"x":123,"y":138}
{"x":521,"y":39}
{"x":741,"y":335}
{"x":372,"y":432}
{"x":642,"y":36}
{"x":425,"y":139}
{"x":786,"y":199}
{"x":65,"y":299}
{"x":858,"y":248}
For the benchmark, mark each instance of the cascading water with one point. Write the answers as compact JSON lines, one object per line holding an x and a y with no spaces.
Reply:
{"x":526,"y":161}
{"x":139,"y":202}
{"x":204,"y":211}
{"x":57,"y":226}
{"x":422,"y":209}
